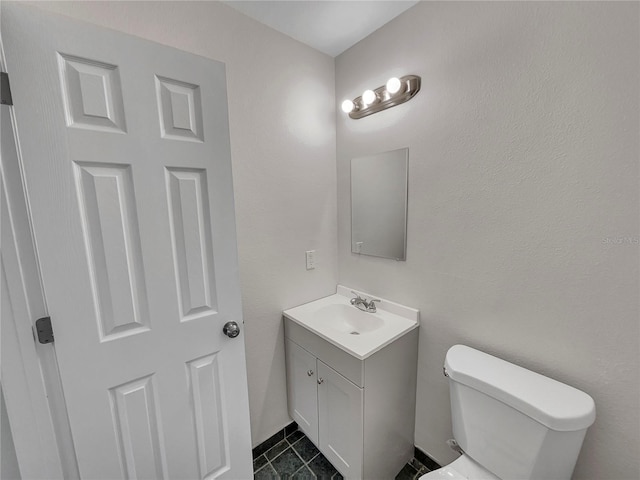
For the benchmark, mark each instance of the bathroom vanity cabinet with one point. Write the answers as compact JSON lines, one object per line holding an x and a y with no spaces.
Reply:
{"x":359,"y":412}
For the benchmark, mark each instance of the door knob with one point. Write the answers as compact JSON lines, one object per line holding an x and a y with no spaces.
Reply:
{"x":320,"y":381}
{"x":309,"y":372}
{"x":231,"y":329}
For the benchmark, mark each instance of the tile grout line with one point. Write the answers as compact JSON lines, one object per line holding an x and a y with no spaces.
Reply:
{"x":304,"y":464}
{"x":269,"y":460}
{"x":286,"y":439}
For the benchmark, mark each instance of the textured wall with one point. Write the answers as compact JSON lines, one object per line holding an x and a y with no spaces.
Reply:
{"x":523,"y":174}
{"x":282,"y":121}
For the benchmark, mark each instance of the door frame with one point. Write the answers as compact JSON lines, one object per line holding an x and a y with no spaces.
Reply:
{"x":30,"y":378}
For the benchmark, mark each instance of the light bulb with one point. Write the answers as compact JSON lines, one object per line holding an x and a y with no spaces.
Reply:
{"x":368,"y":97}
{"x":347,"y":106}
{"x":393,"y":85}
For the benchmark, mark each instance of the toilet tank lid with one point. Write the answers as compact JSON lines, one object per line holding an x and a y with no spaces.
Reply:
{"x":551,"y":403}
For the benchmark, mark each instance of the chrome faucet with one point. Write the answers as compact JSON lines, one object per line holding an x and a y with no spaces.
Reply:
{"x":363,"y":304}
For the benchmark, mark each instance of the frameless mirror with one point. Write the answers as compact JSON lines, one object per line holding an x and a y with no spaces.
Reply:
{"x":379,"y":204}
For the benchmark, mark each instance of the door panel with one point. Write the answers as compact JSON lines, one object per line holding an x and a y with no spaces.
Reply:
{"x":112,"y":239}
{"x":138,"y":429}
{"x":127,"y":167}
{"x":180,"y":110}
{"x":208,"y":414}
{"x":190,"y":234}
{"x":340,"y":407}
{"x":92,"y":94}
{"x":302,"y":388}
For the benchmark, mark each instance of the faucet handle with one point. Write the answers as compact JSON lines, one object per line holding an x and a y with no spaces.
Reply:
{"x":356,"y":299}
{"x":370,"y":306}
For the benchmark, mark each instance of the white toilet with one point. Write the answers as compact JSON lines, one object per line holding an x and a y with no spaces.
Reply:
{"x":511,"y":423}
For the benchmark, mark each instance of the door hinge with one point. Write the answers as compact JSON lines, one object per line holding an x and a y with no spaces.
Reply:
{"x":44,"y":330}
{"x":5,"y":89}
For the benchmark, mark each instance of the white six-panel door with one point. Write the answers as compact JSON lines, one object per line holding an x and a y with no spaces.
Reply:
{"x":125,"y":146}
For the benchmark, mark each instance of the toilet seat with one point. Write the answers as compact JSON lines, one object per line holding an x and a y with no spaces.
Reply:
{"x":464,"y":468}
{"x":444,"y":473}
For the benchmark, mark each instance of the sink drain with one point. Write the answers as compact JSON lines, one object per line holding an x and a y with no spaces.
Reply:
{"x":355,"y":333}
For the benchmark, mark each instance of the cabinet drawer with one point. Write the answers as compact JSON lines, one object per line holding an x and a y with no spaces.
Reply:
{"x":338,"y":359}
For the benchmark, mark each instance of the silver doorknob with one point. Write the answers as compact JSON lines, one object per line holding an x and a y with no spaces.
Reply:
{"x":320,"y":381}
{"x":231,"y":329}
{"x":309,"y":372}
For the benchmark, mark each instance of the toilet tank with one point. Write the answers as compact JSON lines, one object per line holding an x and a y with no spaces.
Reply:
{"x":516,"y":423}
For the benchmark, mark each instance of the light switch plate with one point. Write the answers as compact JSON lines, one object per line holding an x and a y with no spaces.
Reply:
{"x":311,"y":259}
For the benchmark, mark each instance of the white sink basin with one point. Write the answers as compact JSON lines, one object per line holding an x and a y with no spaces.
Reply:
{"x":348,"y":319}
{"x":359,"y":333}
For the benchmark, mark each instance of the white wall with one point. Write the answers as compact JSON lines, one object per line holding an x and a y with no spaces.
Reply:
{"x":282,"y":121}
{"x":523,"y":162}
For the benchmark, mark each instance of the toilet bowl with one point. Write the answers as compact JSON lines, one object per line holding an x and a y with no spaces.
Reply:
{"x":511,"y":423}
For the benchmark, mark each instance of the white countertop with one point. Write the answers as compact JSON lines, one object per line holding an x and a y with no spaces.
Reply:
{"x":358,"y":333}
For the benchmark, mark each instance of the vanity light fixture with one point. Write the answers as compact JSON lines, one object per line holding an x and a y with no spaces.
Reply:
{"x":347,"y":106}
{"x":395,"y":92}
{"x":369,"y":97}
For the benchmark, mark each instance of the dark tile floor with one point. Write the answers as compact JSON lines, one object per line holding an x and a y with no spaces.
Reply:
{"x":289,"y":454}
{"x":412,"y":471}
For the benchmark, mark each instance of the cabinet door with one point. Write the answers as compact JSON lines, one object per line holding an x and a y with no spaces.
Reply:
{"x":302,"y":389}
{"x":341,"y":421}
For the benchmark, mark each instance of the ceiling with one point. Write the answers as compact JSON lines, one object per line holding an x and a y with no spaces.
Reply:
{"x":331,"y":26}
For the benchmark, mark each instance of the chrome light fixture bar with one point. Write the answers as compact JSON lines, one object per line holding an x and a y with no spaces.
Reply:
{"x":395,"y":92}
